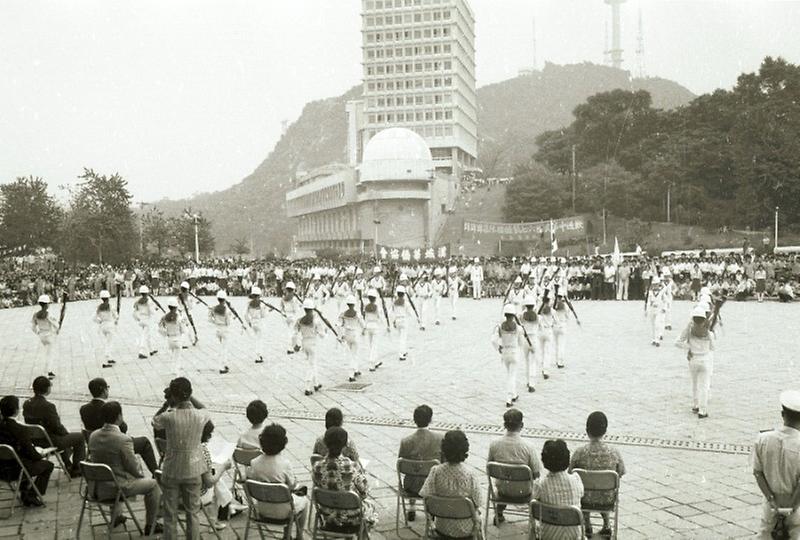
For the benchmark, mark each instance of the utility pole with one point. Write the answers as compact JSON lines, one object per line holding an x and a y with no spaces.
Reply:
{"x":669,"y":186}
{"x":574,"y":176}
{"x":376,"y":222}
{"x":776,"y":227}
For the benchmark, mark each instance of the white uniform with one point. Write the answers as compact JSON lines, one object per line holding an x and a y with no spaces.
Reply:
{"x":293,"y":310}
{"x":373,"y":321}
{"x":423,"y":292}
{"x":352,"y":327}
{"x":530,"y":358}
{"x":106,"y":320}
{"x":655,"y":313}
{"x":560,"y":318}
{"x":402,"y":315}
{"x":509,"y":343}
{"x":308,"y":337}
{"x":377,"y":283}
{"x":438,"y":288}
{"x":341,"y":290}
{"x":669,"y":294}
{"x":222,"y":323}
{"x":701,"y":365}
{"x":476,"y":276}
{"x":453,"y":290}
{"x":544,"y":335}
{"x":254,"y":317}
{"x":143,"y":312}
{"x":188,"y":299}
{"x":47,"y":329}
{"x":173,"y":331}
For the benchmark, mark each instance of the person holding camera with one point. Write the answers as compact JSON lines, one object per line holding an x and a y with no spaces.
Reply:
{"x":184,"y":469}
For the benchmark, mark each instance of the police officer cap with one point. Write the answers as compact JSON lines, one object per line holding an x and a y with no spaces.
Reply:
{"x":376,"y":269}
{"x":372,"y":293}
{"x":453,"y":269}
{"x":403,"y":277}
{"x":289,"y":285}
{"x":351,"y":300}
{"x":144,"y":290}
{"x":656,"y":280}
{"x":222,"y":295}
{"x":44,"y":299}
{"x":255,"y":290}
{"x":790,"y":399}
{"x":509,"y":309}
{"x":172,"y":302}
{"x":401,"y":289}
{"x":699,"y":311}
{"x":308,"y":303}
{"x":518,"y":280}
{"x":184,"y":284}
{"x":105,"y":294}
{"x":359,"y":271}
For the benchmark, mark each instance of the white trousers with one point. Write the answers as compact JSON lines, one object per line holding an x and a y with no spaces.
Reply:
{"x":668,"y":315}
{"x":47,"y":345}
{"x":351,"y":342}
{"x":107,"y":338}
{"x":257,"y":336}
{"x":402,"y":338}
{"x":532,"y":362}
{"x":701,"y":367}
{"x":657,"y":325}
{"x":622,"y":289}
{"x":509,"y":358}
{"x":560,"y":345}
{"x":290,"y":333}
{"x":174,"y":344}
{"x":188,"y":333}
{"x":545,"y":350}
{"x":477,"y":290}
{"x":453,"y":303}
{"x":437,"y":308}
{"x":222,"y":339}
{"x":145,"y":345}
{"x":372,"y":347}
{"x":312,"y":374}
{"x":422,"y":305}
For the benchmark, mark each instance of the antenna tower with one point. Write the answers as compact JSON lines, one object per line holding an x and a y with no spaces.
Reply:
{"x":640,"y":71}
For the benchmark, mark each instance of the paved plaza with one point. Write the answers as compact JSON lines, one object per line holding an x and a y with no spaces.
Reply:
{"x":687,"y":478}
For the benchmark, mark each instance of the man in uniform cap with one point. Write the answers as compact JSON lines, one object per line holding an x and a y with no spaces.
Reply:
{"x":655,"y":311}
{"x":776,"y":466}
{"x":454,"y":284}
{"x":476,"y":276}
{"x":291,"y":306}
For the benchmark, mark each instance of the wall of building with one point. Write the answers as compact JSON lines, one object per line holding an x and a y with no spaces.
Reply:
{"x":318,"y":191}
{"x":404,"y":223}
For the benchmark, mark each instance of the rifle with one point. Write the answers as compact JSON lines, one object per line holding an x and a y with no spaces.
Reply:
{"x":321,"y":316}
{"x":569,"y":305}
{"x":119,"y":298}
{"x":385,"y":312}
{"x":198,"y":298}
{"x":227,"y":303}
{"x":715,"y":316}
{"x":361,"y":301}
{"x":524,"y":332}
{"x":508,"y":289}
{"x":64,"y":298}
{"x":159,"y":306}
{"x":273,"y":308}
{"x":189,"y":316}
{"x":410,"y":301}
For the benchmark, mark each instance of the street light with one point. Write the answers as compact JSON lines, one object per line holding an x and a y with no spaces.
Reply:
{"x":376,"y":222}
{"x":194,"y":217}
{"x":776,"y":227}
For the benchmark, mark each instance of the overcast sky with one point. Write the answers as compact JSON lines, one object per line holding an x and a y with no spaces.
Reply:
{"x":183,"y":96}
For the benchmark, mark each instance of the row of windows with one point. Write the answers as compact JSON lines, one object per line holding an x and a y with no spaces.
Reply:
{"x":389,"y":4}
{"x":408,"y":84}
{"x":410,"y":116}
{"x":445,"y":48}
{"x":330,"y":222}
{"x":418,"y":67}
{"x":424,"y":131}
{"x":427,"y":16}
{"x":320,"y":197}
{"x":401,"y":35}
{"x":420,"y":99}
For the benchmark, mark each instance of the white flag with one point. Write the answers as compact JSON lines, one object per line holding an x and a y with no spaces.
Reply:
{"x":553,"y":241}
{"x":617,"y":256}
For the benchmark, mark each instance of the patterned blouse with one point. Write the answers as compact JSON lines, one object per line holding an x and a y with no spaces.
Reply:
{"x":597,"y":456}
{"x":562,"y":489}
{"x":453,"y":480}
{"x":341,"y":474}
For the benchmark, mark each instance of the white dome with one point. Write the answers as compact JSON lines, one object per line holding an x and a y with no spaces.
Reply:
{"x":396,"y":154}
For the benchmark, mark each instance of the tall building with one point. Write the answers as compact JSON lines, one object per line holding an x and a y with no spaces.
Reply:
{"x":419,"y":73}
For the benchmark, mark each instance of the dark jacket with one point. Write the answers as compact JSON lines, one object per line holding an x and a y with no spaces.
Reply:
{"x":37,"y":410}
{"x":14,"y":435}
{"x":92,"y":418}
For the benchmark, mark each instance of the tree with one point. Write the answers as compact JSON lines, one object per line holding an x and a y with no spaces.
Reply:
{"x":536,"y":193}
{"x":608,"y":185}
{"x":28,"y":215}
{"x":99,"y":225}
{"x":240,"y":246}
{"x":156,"y":231}
{"x":183,"y":232}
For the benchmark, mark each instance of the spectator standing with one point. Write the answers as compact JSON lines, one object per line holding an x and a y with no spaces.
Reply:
{"x":623,"y":280}
{"x":559,"y":487}
{"x":422,"y":445}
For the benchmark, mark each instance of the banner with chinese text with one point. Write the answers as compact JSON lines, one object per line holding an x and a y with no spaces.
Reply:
{"x":440,"y":253}
{"x":564,"y":228}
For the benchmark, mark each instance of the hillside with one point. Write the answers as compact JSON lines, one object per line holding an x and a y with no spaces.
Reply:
{"x":511,"y":114}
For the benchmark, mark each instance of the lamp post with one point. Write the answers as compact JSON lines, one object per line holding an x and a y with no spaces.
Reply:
{"x":376,"y":222}
{"x":776,"y":227}
{"x":194,"y":217}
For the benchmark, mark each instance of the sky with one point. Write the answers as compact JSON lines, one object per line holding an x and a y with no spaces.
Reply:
{"x":188,"y":96}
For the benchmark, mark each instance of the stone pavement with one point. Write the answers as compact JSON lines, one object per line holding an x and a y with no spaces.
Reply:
{"x":687,"y":478}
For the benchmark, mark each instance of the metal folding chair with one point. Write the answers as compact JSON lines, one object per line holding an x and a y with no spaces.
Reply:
{"x":7,"y":453}
{"x":558,"y":516}
{"x":313,"y":460}
{"x":98,"y":475}
{"x":409,"y":468}
{"x":241,"y":459}
{"x":326,"y":499}
{"x":181,"y":522}
{"x":450,"y":508}
{"x":601,"y":482}
{"x":276,"y":495}
{"x":38,"y":433}
{"x":499,"y":476}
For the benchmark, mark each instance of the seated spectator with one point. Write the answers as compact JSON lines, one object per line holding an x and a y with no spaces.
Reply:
{"x":511,"y":449}
{"x":454,"y":479}
{"x":92,"y":418}
{"x":785,"y":292}
{"x":110,"y":446}
{"x":257,"y":414}
{"x":37,"y":410}
{"x":558,"y":488}
{"x":597,"y":456}
{"x":272,"y":466}
{"x":339,"y":473}
{"x":334,"y":418}
{"x":219,"y":492}
{"x":15,"y":436}
{"x":422,"y":445}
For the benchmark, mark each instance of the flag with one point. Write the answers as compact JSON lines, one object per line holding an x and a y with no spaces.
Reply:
{"x":553,"y":241}
{"x":638,"y":249}
{"x":616,"y":257}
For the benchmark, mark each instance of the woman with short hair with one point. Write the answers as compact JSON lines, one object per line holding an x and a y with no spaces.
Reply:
{"x":559,"y":488}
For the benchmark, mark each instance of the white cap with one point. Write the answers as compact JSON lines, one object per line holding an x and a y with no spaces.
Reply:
{"x":477,"y":259}
{"x":256,"y":290}
{"x":172,"y":302}
{"x":144,"y":290}
{"x":509,"y":309}
{"x":44,"y":299}
{"x":401,"y":289}
{"x":289,"y":285}
{"x":656,"y":280}
{"x":437,"y":272}
{"x":533,"y":258}
{"x":518,"y":280}
{"x":453,"y":269}
{"x":376,"y":269}
{"x":105,"y":294}
{"x":562,"y":260}
{"x":666,"y":272}
{"x":316,"y":277}
{"x":222,"y":295}
{"x":359,"y":271}
{"x":790,"y":399}
{"x":373,"y":293}
{"x":529,"y":301}
{"x":699,"y":311}
{"x":308,"y":303}
{"x":184,"y":284}
{"x":403,"y":277}
{"x":350,"y":300}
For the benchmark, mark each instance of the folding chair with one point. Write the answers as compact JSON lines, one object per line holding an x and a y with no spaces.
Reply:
{"x":7,"y":453}
{"x":242,"y":458}
{"x":601,"y":482}
{"x":97,"y":475}
{"x":37,"y":433}
{"x":181,"y":522}
{"x":450,"y":508}
{"x":326,"y":499}
{"x":504,"y":472}
{"x":273,"y":494}
{"x":313,"y":459}
{"x":86,"y":433}
{"x":409,"y":468}
{"x":558,"y":516}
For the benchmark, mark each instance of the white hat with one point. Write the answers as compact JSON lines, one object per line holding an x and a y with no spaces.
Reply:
{"x":518,"y":280}
{"x":562,"y":260}
{"x":790,"y":399}
{"x":533,"y":258}
{"x":359,"y":271}
{"x":656,"y":280}
{"x":699,"y":311}
{"x":316,"y":277}
{"x":529,"y":301}
{"x":666,"y":272}
{"x":44,"y":299}
{"x":350,"y":300}
{"x":184,"y":284}
{"x":289,"y":285}
{"x":401,"y":289}
{"x":437,"y":272}
{"x":172,"y":302}
{"x":477,"y":259}
{"x":105,"y":294}
{"x":308,"y":303}
{"x":256,"y":290}
{"x":453,"y":269}
{"x":376,"y":269}
{"x":509,"y":309}
{"x":144,"y":290}
{"x":403,"y":277}
{"x":373,"y":293}
{"x":222,"y":295}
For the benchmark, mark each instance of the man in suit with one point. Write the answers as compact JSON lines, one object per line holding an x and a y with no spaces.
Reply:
{"x":422,"y":445}
{"x":92,"y":418}
{"x":109,"y":446}
{"x":37,"y":410}
{"x":14,"y":435}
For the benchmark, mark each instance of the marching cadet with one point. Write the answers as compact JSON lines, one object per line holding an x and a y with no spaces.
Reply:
{"x":376,"y":281}
{"x":142,"y":312}
{"x":530,"y":320}
{"x":544,"y":333}
{"x":360,"y":286}
{"x":438,"y":290}
{"x":46,"y":328}
{"x":655,"y":310}
{"x":341,"y":291}
{"x":290,"y":305}
{"x":185,"y":304}
{"x":669,"y":293}
{"x":423,"y":291}
{"x":454,"y":284}
{"x":254,"y":315}
{"x":308,"y":331}
{"x":402,"y":313}
{"x":560,"y":318}
{"x":508,"y":338}
{"x":516,"y":295}
{"x":352,"y":325}
{"x":476,"y":276}
{"x":698,"y":339}
{"x":372,"y":323}
{"x":171,"y":327}
{"x":318,"y":292}
{"x":403,"y":280}
{"x":106,"y":319}
{"x":220,"y":317}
